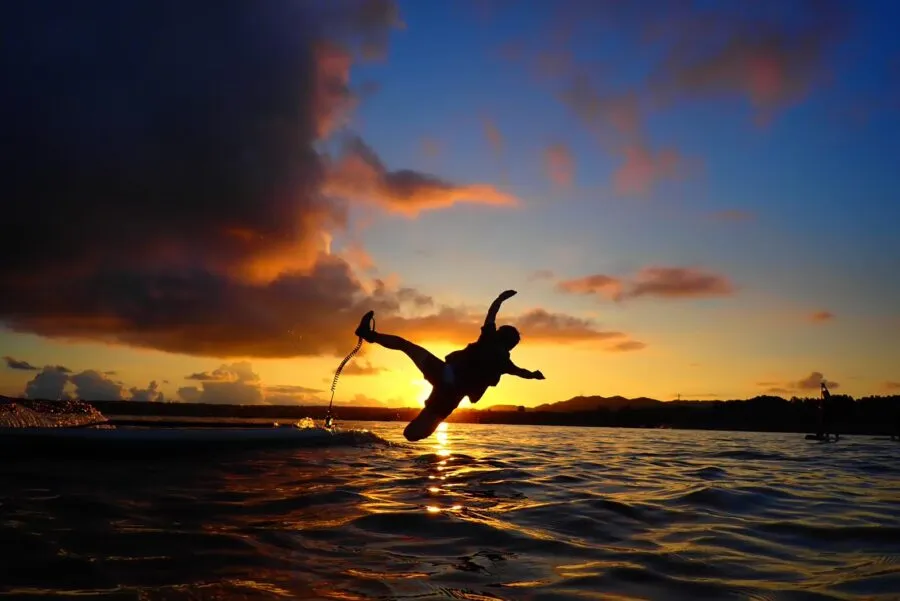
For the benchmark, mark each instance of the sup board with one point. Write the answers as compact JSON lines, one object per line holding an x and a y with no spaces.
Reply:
{"x":154,"y":441}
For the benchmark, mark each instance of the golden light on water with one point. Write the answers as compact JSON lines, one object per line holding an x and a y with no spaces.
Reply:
{"x":440,"y":437}
{"x":442,"y":450}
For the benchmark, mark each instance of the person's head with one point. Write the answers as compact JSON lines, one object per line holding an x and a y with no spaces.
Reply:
{"x":508,"y":337}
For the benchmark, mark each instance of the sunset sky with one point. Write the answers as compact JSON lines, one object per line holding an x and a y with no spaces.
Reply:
{"x":690,"y":198}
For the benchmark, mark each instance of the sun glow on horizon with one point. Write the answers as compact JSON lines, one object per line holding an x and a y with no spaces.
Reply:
{"x":423,"y":389}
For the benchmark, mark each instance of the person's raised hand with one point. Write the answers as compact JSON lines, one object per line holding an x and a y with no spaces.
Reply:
{"x":538,"y":375}
{"x":507,"y":294}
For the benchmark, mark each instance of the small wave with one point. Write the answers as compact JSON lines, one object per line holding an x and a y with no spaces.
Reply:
{"x":754,"y":455}
{"x":709,"y":472}
{"x":87,"y":443}
{"x":479,"y":516}
{"x":28,"y":413}
{"x":729,"y":499}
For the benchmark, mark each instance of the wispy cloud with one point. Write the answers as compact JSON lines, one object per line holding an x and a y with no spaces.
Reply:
{"x":17,"y":364}
{"x":494,"y":137}
{"x":596,"y":284}
{"x":538,"y":326}
{"x":541,"y":274}
{"x":628,"y":345}
{"x":643,"y":169}
{"x":360,"y":175}
{"x":693,"y":52}
{"x":821,"y":316}
{"x":658,"y":282}
{"x":811,"y":382}
{"x":559,"y":164}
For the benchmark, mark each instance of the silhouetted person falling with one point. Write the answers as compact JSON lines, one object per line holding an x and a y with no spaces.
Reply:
{"x":464,"y":373}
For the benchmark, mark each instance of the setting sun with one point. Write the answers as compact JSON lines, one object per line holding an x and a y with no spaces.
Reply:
{"x":422,"y":388}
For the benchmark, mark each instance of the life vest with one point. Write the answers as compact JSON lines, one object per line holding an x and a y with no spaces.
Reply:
{"x":478,"y":366}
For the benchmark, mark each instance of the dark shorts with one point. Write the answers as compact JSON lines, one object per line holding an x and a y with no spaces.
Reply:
{"x":436,"y":372}
{"x":445,"y":397}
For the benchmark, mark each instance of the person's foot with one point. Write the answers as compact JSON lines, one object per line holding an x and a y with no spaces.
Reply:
{"x":365,"y":330}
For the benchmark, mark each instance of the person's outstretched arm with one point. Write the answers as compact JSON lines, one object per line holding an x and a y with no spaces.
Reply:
{"x":495,"y":307}
{"x":521,"y":372}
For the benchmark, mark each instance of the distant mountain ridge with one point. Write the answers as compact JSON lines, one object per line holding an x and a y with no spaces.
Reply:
{"x":586,"y":403}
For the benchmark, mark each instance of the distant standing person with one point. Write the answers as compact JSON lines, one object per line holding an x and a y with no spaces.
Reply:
{"x":826,"y":414}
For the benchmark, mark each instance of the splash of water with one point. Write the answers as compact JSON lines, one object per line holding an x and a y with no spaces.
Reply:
{"x":26,"y":413}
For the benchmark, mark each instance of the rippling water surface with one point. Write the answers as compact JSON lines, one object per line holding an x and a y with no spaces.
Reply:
{"x":475,"y":512}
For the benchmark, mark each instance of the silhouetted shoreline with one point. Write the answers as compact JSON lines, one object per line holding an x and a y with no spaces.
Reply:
{"x":873,"y":415}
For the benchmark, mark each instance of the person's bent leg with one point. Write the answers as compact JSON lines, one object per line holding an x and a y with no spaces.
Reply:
{"x":423,"y":425}
{"x":431,"y":367}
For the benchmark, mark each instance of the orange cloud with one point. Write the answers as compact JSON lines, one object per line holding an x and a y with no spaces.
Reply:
{"x":607,"y":114}
{"x":891,"y":385}
{"x":599,"y":284}
{"x":615,"y":117}
{"x":628,"y":345}
{"x":459,"y":326}
{"x":770,"y":65}
{"x":360,"y":175}
{"x":660,"y":282}
{"x":679,"y":282}
{"x":539,"y":324}
{"x":821,"y":316}
{"x":643,"y":169}
{"x":560,"y":164}
{"x":332,"y":100}
{"x":358,"y":257}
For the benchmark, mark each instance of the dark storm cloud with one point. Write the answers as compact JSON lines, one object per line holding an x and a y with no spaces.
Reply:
{"x":162,"y":171}
{"x":163,"y":183}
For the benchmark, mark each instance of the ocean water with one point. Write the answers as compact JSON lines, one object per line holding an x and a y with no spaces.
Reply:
{"x":475,"y":512}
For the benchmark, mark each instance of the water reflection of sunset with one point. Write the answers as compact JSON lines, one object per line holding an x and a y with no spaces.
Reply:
{"x":440,"y":437}
{"x":442,"y":450}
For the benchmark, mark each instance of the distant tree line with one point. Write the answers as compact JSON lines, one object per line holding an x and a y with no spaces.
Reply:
{"x":878,"y":415}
